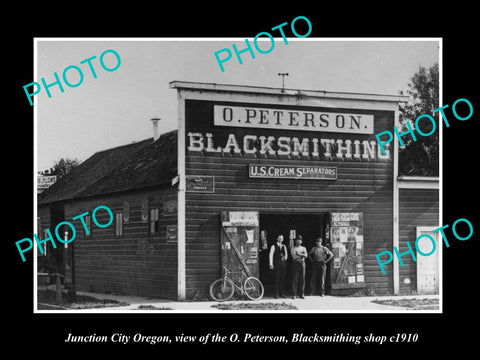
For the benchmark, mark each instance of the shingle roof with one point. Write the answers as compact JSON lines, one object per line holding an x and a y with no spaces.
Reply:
{"x":137,"y":165}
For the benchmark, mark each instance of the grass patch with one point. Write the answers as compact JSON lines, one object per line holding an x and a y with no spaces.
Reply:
{"x":151,"y":307}
{"x":414,"y":304}
{"x":255,"y":306}
{"x":81,"y":301}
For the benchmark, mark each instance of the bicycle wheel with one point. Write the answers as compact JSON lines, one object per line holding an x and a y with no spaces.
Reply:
{"x":253,"y":288}
{"x":221,"y":289}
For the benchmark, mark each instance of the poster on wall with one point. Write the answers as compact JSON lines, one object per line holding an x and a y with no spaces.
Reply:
{"x":347,"y":247}
{"x":240,"y":237}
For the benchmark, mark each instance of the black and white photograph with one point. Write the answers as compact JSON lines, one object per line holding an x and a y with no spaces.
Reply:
{"x":275,"y":181}
{"x":200,"y":189}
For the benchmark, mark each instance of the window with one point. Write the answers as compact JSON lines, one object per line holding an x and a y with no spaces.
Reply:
{"x":144,"y":216}
{"x":87,"y":230}
{"x":119,"y":224}
{"x":44,"y":245}
{"x":44,"y":232}
{"x":154,"y":221}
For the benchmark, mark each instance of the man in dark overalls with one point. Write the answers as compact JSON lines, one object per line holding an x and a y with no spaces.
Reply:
{"x":320,"y":256}
{"x":278,"y":260}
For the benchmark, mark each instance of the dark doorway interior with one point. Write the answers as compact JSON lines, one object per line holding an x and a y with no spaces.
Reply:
{"x":310,"y":226}
{"x":62,"y":264}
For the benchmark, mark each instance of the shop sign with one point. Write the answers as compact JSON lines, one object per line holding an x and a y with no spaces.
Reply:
{"x":44,"y":182}
{"x":285,"y":146}
{"x":292,"y":172}
{"x":346,"y":219}
{"x":266,"y":118}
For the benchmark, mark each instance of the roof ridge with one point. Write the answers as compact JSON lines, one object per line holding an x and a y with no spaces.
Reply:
{"x":135,"y":142}
{"x":85,"y":192}
{"x":112,"y":169}
{"x":121,"y":146}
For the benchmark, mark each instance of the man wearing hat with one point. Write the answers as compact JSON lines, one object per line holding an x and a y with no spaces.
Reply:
{"x":299,"y":254}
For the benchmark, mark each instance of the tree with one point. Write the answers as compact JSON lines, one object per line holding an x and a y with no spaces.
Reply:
{"x":421,"y":157}
{"x":62,"y":167}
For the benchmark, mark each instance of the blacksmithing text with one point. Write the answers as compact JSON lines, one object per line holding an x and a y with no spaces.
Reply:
{"x":285,"y":146}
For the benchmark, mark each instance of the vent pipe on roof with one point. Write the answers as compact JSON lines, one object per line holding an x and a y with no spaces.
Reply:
{"x":155,"y":128}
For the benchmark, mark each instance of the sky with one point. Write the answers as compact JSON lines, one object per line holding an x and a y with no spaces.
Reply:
{"x":115,"y":108}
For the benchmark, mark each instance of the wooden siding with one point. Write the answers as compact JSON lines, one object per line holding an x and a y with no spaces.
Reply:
{"x":418,"y":207}
{"x":361,"y":187}
{"x":136,"y":263}
{"x":43,"y":214}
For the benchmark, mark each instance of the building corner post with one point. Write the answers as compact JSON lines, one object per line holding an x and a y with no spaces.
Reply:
{"x":181,"y":241}
{"x":396,"y":209}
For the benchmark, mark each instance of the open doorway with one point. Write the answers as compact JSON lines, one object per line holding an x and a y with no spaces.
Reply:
{"x":59,"y":259}
{"x":310,"y":226}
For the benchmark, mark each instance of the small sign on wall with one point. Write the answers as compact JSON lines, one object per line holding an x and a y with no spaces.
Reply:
{"x":200,"y":184}
{"x":292,"y":172}
{"x":171,"y":233}
{"x":44,"y":182}
{"x":347,"y":219}
{"x":170,"y":205}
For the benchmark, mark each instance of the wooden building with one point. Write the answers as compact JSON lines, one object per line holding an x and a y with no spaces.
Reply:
{"x":419,"y":214}
{"x":137,"y":254}
{"x":246,"y":164}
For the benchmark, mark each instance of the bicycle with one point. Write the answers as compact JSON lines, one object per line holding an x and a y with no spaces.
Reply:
{"x":224,"y":288}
